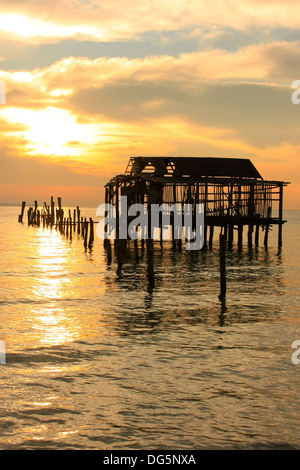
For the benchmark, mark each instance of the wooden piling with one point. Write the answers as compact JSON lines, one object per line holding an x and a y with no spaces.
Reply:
{"x":240,"y":235}
{"x":230,"y":235}
{"x":149,"y":248}
{"x":108,"y":251}
{"x":267,"y":228}
{"x":211,"y":236}
{"x":22,"y":212}
{"x":86,"y":229}
{"x":78,"y":220}
{"x":52,"y":211}
{"x":257,"y":235}
{"x":91,"y":238}
{"x":280,"y":213}
{"x":250,"y":232}
{"x":222,"y":241}
{"x":29,"y":216}
{"x":70,"y":220}
{"x":266,"y":235}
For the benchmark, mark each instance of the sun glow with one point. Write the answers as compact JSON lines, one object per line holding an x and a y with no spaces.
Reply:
{"x":52,"y":131}
{"x":26,"y":27}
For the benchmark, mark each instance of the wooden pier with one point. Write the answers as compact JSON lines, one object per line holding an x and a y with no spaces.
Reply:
{"x":233,"y":194}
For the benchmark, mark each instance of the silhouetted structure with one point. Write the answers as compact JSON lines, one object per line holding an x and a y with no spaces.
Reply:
{"x":232,"y":191}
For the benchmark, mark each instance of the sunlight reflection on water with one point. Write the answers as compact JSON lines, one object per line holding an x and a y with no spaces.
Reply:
{"x":96,"y":360}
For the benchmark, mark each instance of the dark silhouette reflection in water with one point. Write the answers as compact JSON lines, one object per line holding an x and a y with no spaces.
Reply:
{"x":187,"y":286}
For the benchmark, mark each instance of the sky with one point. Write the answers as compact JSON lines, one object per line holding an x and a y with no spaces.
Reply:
{"x":88,"y":84}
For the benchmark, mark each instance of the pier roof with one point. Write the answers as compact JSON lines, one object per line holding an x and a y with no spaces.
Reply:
{"x":196,"y":167}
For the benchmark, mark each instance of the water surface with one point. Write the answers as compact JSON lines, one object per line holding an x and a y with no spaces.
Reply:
{"x":100,"y":361}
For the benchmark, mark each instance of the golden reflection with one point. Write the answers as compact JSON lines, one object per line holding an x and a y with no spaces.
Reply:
{"x":52,"y":320}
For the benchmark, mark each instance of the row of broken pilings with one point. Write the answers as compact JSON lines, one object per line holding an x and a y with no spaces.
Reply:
{"x":51,"y":217}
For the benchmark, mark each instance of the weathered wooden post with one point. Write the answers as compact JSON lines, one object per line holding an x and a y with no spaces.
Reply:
{"x":257,"y":235}
{"x":86,"y":229}
{"x":105,"y":241}
{"x":91,"y":238}
{"x":22,"y":212}
{"x":29,"y":216}
{"x":78,"y":220}
{"x":280,"y":212}
{"x":34,"y":213}
{"x":230,"y":235}
{"x":240,"y":235}
{"x":267,"y":228}
{"x":149,"y":247}
{"x":250,"y":231}
{"x":52,"y":211}
{"x":108,"y":251}
{"x":211,"y":235}
{"x":222,"y":241}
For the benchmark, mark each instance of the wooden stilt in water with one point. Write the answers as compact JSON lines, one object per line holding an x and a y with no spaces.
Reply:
{"x":280,"y":213}
{"x":257,"y":235}
{"x":149,"y":245}
{"x":22,"y":212}
{"x":70,"y":219}
{"x":85,"y":232}
{"x":211,"y":236}
{"x":78,"y":220}
{"x":108,"y":251}
{"x":240,"y":235}
{"x":52,"y":211}
{"x":250,"y":231}
{"x":267,"y":228}
{"x":222,"y":241}
{"x":266,"y":235}
{"x":230,"y":235}
{"x":29,"y":216}
{"x":91,"y":238}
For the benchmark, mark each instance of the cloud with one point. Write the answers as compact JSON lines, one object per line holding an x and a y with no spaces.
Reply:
{"x":89,"y":85}
{"x":123,"y":19}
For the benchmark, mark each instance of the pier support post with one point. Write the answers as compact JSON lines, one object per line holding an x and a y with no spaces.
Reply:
{"x":257,"y":235}
{"x":250,"y":231}
{"x":211,"y":236}
{"x":240,"y":235}
{"x":22,"y":212}
{"x":280,"y":216}
{"x":222,"y":241}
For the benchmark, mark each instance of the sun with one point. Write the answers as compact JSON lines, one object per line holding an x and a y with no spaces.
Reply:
{"x":52,"y":131}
